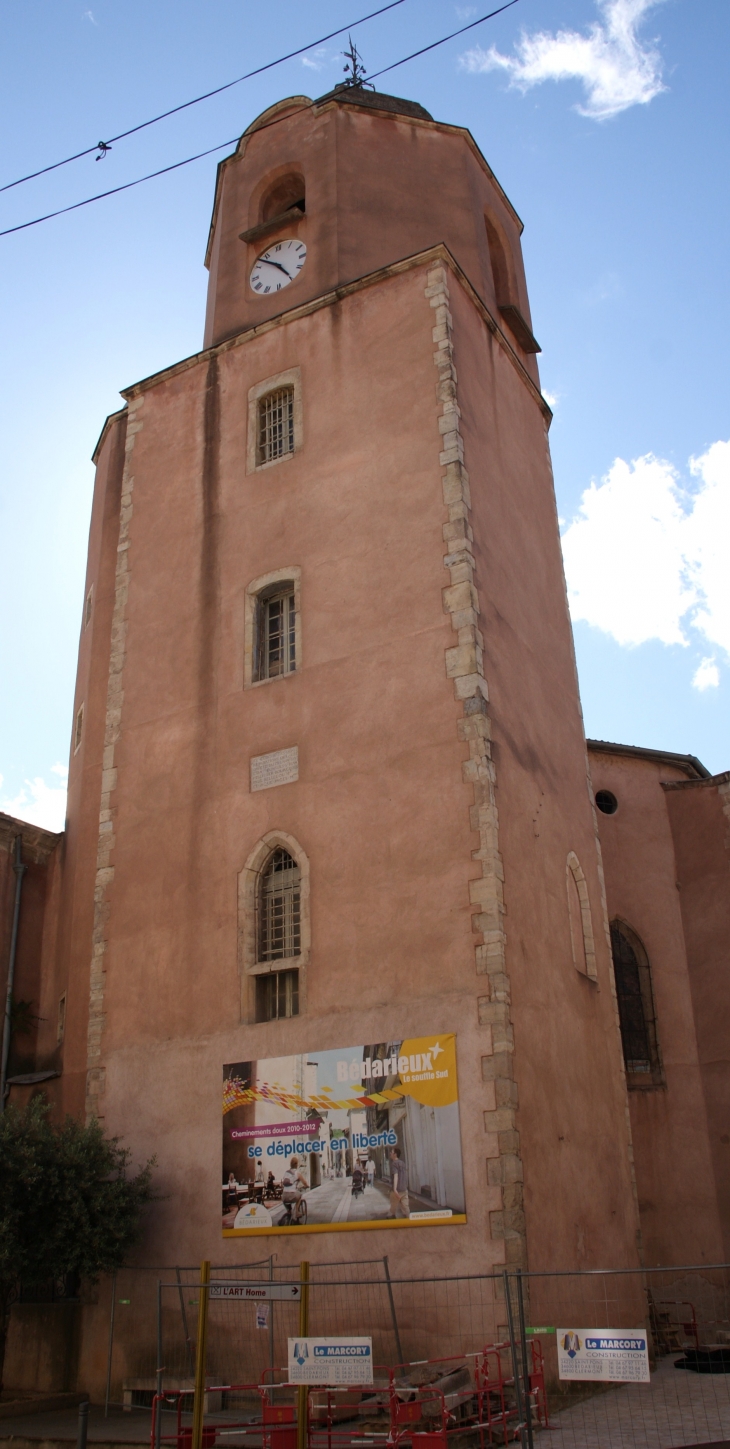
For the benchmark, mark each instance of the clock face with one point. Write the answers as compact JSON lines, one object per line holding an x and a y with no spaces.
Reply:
{"x":278,"y":266}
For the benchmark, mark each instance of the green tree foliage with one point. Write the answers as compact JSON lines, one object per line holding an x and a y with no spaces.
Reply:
{"x":67,"y":1204}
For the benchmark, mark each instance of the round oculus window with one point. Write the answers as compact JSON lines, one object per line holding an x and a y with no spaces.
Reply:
{"x":607,"y":802}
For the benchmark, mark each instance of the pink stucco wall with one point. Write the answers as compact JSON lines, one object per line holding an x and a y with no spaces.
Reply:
{"x":579,"y":1201}
{"x":384,"y":806}
{"x":699,"y":816}
{"x":381,"y":807}
{"x":674,"y":1169}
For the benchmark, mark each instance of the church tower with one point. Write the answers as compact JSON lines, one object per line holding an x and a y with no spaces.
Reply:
{"x":329,"y":778}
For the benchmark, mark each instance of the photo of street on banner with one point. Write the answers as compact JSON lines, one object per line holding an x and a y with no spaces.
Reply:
{"x":353,"y":1138}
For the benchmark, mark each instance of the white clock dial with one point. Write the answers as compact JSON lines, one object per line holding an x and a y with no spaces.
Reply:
{"x":278,"y":266}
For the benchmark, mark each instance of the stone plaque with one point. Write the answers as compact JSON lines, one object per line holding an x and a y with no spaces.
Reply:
{"x":281,"y":767}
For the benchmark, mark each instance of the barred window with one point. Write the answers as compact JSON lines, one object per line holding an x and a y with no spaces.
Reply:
{"x":276,"y":634}
{"x":275,"y":425}
{"x":277,"y":995}
{"x":632,"y":974}
{"x":279,"y":908}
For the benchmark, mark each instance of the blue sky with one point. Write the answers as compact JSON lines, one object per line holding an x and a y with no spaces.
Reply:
{"x":606,"y":122}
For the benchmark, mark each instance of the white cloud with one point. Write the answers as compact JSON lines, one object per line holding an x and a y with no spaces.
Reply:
{"x":709,"y":530}
{"x":646,"y":556}
{"x":89,"y":16}
{"x":551,"y":398}
{"x":706,"y":676}
{"x":39,"y":803}
{"x":623,"y":555}
{"x":316,"y":61}
{"x":615,"y":69}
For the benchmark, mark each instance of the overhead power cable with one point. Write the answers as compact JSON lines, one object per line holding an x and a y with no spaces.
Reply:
{"x":103,"y":146}
{"x":200,"y":154}
{"x":443,"y":41}
{"x":126,"y":187}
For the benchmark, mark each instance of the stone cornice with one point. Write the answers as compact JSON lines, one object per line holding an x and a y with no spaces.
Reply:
{"x":428,"y":258}
{"x":38,"y":844}
{"x":112,"y":418}
{"x":712,"y":783}
{"x":688,"y":763}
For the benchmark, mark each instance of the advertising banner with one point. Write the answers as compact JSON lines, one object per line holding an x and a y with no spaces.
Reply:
{"x":613,"y":1355}
{"x":355,"y":1137}
{"x":330,"y":1361}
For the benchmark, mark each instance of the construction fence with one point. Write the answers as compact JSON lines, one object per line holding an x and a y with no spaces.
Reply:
{"x":473,"y":1360}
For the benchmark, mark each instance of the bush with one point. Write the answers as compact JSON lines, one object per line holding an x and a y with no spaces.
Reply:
{"x":67,"y":1205}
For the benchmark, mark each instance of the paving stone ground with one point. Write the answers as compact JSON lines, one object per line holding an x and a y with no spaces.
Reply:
{"x":62,"y":1424}
{"x":675,"y":1410}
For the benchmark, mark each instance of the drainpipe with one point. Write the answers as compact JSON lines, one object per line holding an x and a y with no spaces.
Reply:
{"x":20,"y":870}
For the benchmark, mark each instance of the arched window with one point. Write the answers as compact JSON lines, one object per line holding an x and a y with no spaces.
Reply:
{"x":505,"y":287}
{"x":579,"y":915}
{"x":79,"y":729}
{"x":279,"y":908}
{"x":500,"y":267}
{"x":279,"y":936}
{"x":637,"y":1019}
{"x":274,"y":928}
{"x":286,"y":194}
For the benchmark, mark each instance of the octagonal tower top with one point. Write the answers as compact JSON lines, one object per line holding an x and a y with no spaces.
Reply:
{"x":320,"y":193}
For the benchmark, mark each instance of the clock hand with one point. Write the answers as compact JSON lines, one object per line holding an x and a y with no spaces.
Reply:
{"x":267,"y":263}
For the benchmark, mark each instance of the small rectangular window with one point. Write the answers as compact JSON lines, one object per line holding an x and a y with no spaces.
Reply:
{"x":277,"y":995}
{"x":87,"y":609}
{"x":275,"y":428}
{"x":78,"y":728}
{"x":61,"y":1026}
{"x":276,"y":641}
{"x":275,"y":425}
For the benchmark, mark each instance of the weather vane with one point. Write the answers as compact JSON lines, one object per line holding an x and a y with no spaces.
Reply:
{"x":354,"y":69}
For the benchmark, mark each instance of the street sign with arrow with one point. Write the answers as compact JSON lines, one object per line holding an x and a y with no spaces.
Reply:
{"x":258,"y":1292}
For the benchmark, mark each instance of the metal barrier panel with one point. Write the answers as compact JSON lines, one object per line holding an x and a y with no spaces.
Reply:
{"x":685,"y":1316}
{"x":410,"y":1319}
{"x":130,"y":1334}
{"x":132,"y":1339}
{"x":407,"y":1320}
{"x":497,"y":1332}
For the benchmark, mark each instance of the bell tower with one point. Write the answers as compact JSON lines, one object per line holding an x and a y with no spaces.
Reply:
{"x":330,"y":665}
{"x":356,"y":181}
